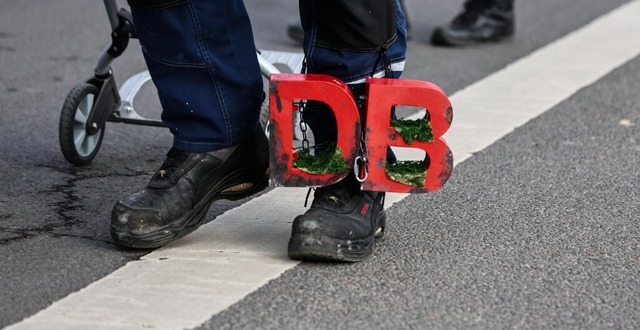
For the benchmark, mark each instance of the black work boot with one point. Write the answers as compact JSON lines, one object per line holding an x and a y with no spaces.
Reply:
{"x":341,"y":224}
{"x":178,"y":197}
{"x":480,"y":21}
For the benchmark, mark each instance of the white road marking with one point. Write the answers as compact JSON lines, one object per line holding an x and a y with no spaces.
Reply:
{"x":186,"y":283}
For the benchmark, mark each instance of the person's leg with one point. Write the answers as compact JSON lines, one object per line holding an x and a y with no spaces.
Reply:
{"x":366,"y":38}
{"x":480,"y":21}
{"x":201,"y":57}
{"x":296,"y":32}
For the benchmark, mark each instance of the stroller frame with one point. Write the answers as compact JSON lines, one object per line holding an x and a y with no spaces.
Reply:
{"x":92,"y":103}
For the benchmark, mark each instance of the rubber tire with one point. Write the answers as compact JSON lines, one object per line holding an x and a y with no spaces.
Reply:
{"x":67,"y":122}
{"x":266,"y":124}
{"x":264,"y":118}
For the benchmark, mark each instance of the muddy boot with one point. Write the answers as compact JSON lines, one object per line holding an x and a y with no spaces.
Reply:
{"x":341,"y":224}
{"x":178,"y":197}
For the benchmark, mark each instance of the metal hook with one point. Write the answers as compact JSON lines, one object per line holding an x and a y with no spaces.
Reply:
{"x":357,"y":163}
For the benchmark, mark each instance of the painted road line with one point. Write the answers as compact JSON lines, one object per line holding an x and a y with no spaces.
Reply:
{"x":189,"y":281}
{"x":506,"y":99}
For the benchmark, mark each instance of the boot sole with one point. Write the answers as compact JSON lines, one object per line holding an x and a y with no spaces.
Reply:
{"x":235,"y":186}
{"x":441,"y":38}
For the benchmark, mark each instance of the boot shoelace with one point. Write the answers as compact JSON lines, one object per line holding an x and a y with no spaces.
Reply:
{"x":333,"y":195}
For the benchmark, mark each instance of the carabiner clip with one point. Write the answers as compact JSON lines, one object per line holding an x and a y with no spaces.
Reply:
{"x":361,"y":161}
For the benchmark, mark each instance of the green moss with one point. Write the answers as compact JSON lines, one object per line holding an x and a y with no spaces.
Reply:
{"x":412,"y":130}
{"x":408,"y":172}
{"x":330,"y":160}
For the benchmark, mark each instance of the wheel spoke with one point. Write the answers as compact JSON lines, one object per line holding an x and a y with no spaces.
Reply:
{"x":86,"y":105}
{"x":79,"y":136}
{"x":80,"y":119}
{"x":83,"y":110}
{"x":87,"y":145}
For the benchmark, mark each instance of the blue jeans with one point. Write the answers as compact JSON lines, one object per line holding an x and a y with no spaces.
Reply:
{"x":201,"y":57}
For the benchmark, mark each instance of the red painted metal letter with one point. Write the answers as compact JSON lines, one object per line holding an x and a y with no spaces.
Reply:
{"x":284,"y":90}
{"x":382,"y":95}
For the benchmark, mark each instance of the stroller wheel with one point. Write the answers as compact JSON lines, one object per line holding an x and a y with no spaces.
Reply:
{"x":78,"y":142}
{"x":264,"y":118}
{"x":266,"y":123}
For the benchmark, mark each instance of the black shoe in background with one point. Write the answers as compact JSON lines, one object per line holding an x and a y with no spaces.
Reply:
{"x":341,"y":224}
{"x":295,"y":32}
{"x":480,"y":21}
{"x":178,"y":196}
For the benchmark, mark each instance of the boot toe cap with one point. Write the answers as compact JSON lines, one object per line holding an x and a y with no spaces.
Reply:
{"x":135,"y":221}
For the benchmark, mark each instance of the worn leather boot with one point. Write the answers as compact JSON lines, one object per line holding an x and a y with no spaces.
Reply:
{"x":341,"y":224}
{"x":480,"y":21}
{"x":178,"y":196}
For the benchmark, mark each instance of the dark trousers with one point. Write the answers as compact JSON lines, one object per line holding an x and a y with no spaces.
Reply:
{"x":201,"y":57}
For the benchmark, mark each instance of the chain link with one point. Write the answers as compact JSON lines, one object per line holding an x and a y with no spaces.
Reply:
{"x":303,"y":126}
{"x":301,"y":104}
{"x":361,"y":162}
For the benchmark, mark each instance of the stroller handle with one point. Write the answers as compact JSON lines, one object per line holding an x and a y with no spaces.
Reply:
{"x":112,"y":12}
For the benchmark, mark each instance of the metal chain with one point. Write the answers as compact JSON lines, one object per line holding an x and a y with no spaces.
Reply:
{"x":361,"y":163}
{"x":303,"y":124}
{"x":303,"y":127}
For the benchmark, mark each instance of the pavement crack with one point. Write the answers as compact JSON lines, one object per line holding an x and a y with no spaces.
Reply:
{"x":25,"y":233}
{"x":71,"y":201}
{"x":65,"y":208}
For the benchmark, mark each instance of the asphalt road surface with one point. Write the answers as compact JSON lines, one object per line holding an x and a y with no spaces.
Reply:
{"x":538,"y":229}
